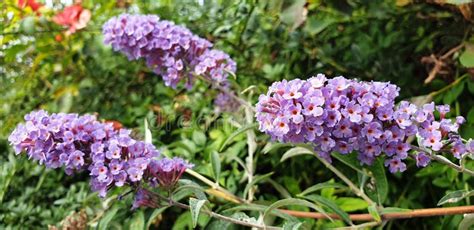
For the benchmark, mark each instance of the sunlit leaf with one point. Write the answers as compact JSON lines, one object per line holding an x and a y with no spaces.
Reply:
{"x":350,"y":204}
{"x":154,"y":216}
{"x":105,"y":220}
{"x":138,"y":221}
{"x":320,"y":186}
{"x":216,"y":165}
{"x":374,"y":213}
{"x":467,"y":222}
{"x":148,"y":136}
{"x":455,"y":196}
{"x":195,"y":206}
{"x":387,"y":210}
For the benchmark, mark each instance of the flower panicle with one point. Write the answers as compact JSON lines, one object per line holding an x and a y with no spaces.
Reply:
{"x":170,"y":50}
{"x":82,"y":143}
{"x":345,"y":115}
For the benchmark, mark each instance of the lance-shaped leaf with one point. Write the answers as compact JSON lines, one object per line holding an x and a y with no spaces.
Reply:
{"x":331,"y":206}
{"x":455,"y":196}
{"x":195,"y":206}
{"x":296,"y":151}
{"x":293,"y":201}
{"x":236,"y":133}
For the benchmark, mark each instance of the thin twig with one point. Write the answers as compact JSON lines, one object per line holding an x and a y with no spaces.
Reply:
{"x":439,"y":62}
{"x":215,"y":188}
{"x":415,"y":213}
{"x":445,"y":161}
{"x":451,"y":164}
{"x":346,"y":180}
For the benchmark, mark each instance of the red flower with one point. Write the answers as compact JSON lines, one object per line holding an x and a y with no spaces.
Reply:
{"x":31,"y":3}
{"x":74,"y":17}
{"x":58,"y":37}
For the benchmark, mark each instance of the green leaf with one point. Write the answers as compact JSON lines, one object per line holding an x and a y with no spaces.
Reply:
{"x":315,"y":25}
{"x":236,"y":133}
{"x":467,"y":222}
{"x":216,"y":165}
{"x":269,"y":147}
{"x":183,"y":221}
{"x":138,"y":221}
{"x":28,"y":25}
{"x":292,"y":225}
{"x":280,"y":188}
{"x":242,"y":216}
{"x":320,"y":186}
{"x":199,"y":138}
{"x":222,"y":224}
{"x":470,"y":86}
{"x":109,"y":215}
{"x":381,"y":183}
{"x":388,"y":210}
{"x":12,"y":52}
{"x":195,"y":206}
{"x":453,"y":93}
{"x":331,"y":206}
{"x":374,"y":213}
{"x":148,"y":136}
{"x":153,"y":216}
{"x":261,"y":208}
{"x":293,"y":201}
{"x":470,"y":116}
{"x":349,"y":160}
{"x":294,"y":15}
{"x":350,"y":204}
{"x":467,"y":57}
{"x":187,"y":188}
{"x":455,"y":196}
{"x":257,"y":179}
{"x":7,"y":174}
{"x":296,"y":151}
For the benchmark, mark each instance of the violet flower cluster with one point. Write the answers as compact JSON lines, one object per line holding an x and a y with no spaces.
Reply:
{"x":82,"y":143}
{"x":170,"y":50}
{"x":344,"y":115}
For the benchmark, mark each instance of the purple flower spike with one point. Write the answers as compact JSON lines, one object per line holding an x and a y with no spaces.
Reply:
{"x":171,"y":51}
{"x":345,"y":115}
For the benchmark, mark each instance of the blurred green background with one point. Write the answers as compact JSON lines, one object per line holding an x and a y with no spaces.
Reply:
{"x":398,"y":41}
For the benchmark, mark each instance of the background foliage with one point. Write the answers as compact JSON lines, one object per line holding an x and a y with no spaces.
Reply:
{"x":41,"y":67}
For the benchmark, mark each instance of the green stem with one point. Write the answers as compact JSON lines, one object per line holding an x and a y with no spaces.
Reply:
{"x":454,"y":83}
{"x":445,"y":161}
{"x":217,"y":215}
{"x":346,"y":180}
